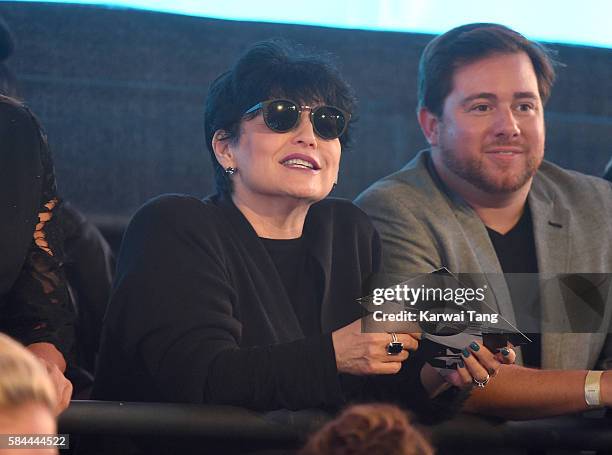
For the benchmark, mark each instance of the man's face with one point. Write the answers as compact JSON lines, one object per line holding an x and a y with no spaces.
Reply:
{"x":491,"y":133}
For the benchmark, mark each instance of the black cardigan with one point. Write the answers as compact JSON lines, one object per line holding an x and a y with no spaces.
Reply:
{"x":199,"y":313}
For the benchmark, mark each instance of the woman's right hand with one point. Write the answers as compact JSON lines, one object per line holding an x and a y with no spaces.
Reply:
{"x":361,"y":353}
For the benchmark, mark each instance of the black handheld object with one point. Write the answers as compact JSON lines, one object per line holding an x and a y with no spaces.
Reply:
{"x":495,"y":341}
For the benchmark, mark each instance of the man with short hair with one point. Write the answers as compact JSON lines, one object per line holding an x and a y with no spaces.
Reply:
{"x":483,"y":201}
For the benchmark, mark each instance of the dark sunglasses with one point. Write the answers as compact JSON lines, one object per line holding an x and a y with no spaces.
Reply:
{"x":328,"y":122}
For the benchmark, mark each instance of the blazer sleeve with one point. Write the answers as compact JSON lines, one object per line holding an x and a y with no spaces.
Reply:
{"x":172,"y":310}
{"x":408,"y":247}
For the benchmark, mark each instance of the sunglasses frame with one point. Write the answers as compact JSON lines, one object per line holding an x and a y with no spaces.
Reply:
{"x":264,"y":104}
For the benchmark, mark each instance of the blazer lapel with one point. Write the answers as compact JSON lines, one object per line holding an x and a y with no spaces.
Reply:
{"x":551,"y":231}
{"x":487,"y":271}
{"x":551,"y":228}
{"x":477,"y":236}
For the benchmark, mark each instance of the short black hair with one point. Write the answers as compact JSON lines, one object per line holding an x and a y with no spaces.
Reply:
{"x":469,"y":43}
{"x":271,"y":69}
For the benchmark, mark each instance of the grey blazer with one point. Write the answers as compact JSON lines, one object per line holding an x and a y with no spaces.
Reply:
{"x":423,"y":226}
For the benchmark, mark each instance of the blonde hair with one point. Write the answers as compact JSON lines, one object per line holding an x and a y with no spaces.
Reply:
{"x":23,"y":379}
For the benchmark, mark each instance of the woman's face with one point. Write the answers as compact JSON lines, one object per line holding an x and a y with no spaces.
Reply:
{"x":297,"y":164}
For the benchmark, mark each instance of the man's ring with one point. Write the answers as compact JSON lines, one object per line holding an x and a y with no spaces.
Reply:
{"x":482,"y":383}
{"x":395,"y":347}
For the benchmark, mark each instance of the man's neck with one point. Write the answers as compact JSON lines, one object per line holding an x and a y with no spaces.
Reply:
{"x":498,"y":211}
{"x":501,"y":219}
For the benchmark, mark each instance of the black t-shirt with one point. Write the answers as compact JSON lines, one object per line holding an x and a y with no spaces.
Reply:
{"x":517,"y":255}
{"x":299,"y":277}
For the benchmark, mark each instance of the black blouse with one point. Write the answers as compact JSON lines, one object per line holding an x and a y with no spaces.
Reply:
{"x":34,"y":301}
{"x":301,"y":280}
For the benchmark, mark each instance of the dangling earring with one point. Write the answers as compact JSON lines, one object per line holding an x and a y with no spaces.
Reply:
{"x":231,"y":170}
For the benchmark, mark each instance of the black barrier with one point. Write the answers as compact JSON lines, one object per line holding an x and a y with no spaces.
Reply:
{"x":169,"y":419}
{"x":284,"y":428}
{"x":567,"y":433}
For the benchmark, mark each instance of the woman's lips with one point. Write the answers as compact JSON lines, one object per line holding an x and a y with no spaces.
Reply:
{"x":300,"y":161}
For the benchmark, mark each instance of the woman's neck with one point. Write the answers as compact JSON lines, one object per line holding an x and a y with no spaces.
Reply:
{"x":273,"y":217}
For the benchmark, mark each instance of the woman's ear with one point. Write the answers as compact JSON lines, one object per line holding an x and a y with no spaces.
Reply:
{"x":221,"y":144}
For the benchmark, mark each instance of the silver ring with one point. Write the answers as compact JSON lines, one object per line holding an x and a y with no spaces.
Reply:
{"x":482,"y":383}
{"x":395,"y":347}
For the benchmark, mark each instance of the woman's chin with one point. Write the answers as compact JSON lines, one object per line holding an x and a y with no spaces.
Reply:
{"x":311,"y":195}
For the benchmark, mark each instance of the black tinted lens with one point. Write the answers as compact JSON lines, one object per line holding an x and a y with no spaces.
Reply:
{"x":281,"y":115}
{"x":329,"y":122}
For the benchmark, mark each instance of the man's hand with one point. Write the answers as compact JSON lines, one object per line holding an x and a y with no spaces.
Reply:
{"x":55,"y":364}
{"x":361,"y":353}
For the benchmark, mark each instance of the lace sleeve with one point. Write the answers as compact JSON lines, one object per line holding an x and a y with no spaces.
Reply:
{"x":41,"y":310}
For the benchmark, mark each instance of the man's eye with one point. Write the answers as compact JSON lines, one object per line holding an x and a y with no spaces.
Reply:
{"x":526,"y":107}
{"x":481,"y":108}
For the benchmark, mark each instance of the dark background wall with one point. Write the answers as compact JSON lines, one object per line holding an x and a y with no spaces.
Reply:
{"x":120,"y":93}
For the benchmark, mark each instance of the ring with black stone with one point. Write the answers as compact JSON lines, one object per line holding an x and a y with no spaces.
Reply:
{"x":395,"y":347}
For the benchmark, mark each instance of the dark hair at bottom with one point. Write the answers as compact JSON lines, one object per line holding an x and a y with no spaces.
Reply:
{"x":271,"y":69}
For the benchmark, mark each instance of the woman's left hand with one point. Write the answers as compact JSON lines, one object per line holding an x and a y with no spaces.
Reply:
{"x":479,"y":365}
